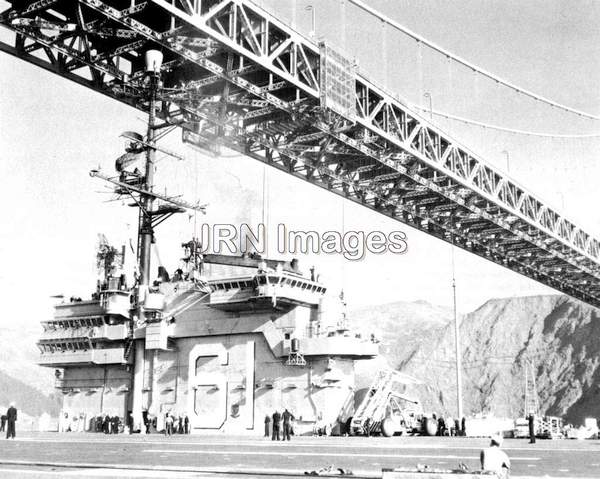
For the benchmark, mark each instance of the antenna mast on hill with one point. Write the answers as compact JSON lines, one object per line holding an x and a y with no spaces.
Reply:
{"x":531,"y":396}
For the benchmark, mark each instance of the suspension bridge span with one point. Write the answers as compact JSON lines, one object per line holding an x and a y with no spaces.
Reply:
{"x":237,"y":77}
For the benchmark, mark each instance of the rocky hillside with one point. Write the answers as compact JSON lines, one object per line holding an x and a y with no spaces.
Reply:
{"x":558,"y":334}
{"x":30,"y":386}
{"x":27,"y":398}
{"x":19,"y":353}
{"x":401,"y":327}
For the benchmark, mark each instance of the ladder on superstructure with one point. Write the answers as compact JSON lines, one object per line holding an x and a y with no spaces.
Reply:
{"x":373,"y":405}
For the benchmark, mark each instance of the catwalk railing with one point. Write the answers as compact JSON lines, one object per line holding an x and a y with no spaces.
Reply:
{"x":237,"y":77}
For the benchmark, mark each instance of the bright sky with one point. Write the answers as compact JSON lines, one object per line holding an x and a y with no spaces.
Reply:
{"x":53,"y":132}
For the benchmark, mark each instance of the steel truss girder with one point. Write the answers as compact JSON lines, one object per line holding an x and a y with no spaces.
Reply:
{"x":275,"y":156}
{"x":387,"y":140}
{"x":369,"y":198}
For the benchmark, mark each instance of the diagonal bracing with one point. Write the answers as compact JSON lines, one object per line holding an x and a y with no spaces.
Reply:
{"x":302,"y":108}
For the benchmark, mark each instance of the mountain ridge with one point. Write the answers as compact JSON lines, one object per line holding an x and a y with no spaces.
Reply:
{"x":497,"y":339}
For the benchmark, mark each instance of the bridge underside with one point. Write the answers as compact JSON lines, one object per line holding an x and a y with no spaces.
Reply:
{"x":236,"y":77}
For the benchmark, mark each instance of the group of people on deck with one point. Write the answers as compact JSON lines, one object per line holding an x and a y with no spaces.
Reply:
{"x":449,"y":426}
{"x":83,"y":422}
{"x":176,"y":424}
{"x":283,"y":425}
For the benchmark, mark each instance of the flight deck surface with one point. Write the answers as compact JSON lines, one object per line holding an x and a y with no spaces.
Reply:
{"x":181,"y":456}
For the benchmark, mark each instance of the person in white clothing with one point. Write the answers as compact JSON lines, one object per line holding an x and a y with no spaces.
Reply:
{"x":494,"y":459}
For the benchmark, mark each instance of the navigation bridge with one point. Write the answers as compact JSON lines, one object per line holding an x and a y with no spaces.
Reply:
{"x":88,"y":332}
{"x":235,"y":76}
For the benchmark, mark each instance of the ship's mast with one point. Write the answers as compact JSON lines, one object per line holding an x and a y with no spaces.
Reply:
{"x":146,"y":232}
{"x":140,"y":187}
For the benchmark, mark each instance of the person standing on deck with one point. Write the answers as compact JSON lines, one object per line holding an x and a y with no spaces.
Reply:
{"x":11,"y":419}
{"x":531,"y":423}
{"x":168,"y":425}
{"x":115,"y":424}
{"x":287,"y":418}
{"x":276,"y":420}
{"x":267,"y":425}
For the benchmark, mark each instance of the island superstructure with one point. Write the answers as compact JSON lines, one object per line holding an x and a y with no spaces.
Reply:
{"x":224,"y":340}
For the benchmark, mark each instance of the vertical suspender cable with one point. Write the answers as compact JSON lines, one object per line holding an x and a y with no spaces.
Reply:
{"x":457,"y":341}
{"x":384,"y":53}
{"x":265,"y":208}
{"x":343,"y":22}
{"x":420,"y":86}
